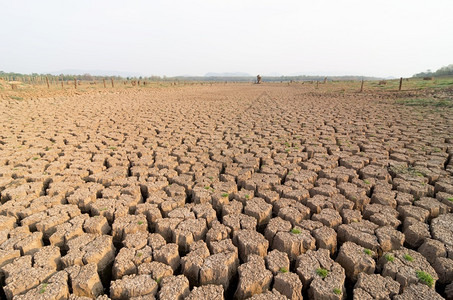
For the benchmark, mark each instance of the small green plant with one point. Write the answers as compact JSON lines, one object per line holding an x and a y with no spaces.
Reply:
{"x":35,"y":158}
{"x":207,"y":187}
{"x":322,"y":272}
{"x":425,"y":278}
{"x":16,"y":98}
{"x":295,"y":231}
{"x":247,"y":196}
{"x":158,"y":280}
{"x":139,"y":254}
{"x":140,"y":222}
{"x":368,"y":251}
{"x":47,"y":148}
{"x":450,"y":199}
{"x":103,"y":208}
{"x":112,"y":148}
{"x":337,"y":291}
{"x":224,"y":195}
{"x":210,"y":178}
{"x":283,"y":270}
{"x":408,"y":257}
{"x":366,"y":181}
{"x":389,"y":257}
{"x":43,"y":288}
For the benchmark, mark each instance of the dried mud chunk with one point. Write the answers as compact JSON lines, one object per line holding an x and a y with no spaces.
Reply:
{"x":276,"y":225}
{"x":219,"y":269}
{"x":156,"y":241}
{"x":7,"y":256}
{"x":324,"y":190}
{"x":169,"y":255}
{"x":237,"y":222}
{"x":329,"y":217}
{"x":7,"y":222}
{"x":251,"y":242}
{"x":189,"y":231}
{"x":418,"y":292}
{"x":259,"y":209}
{"x":97,"y":225}
{"x":151,"y":211}
{"x":133,"y":286}
{"x":253,"y":278}
{"x":288,"y":284}
{"x":89,"y":248}
{"x":415,"y":232}
{"x":56,"y":287}
{"x":384,"y":198}
{"x":389,"y":238}
{"x":155,"y":269}
{"x":165,"y":226}
{"x":30,"y":243}
{"x":294,"y":243}
{"x":444,"y":269}
{"x":206,"y":292}
{"x":66,"y":231}
{"x":361,"y":233}
{"x":268,"y":295}
{"x":375,"y":286}
{"x":48,"y":256}
{"x":382,"y":215}
{"x":127,"y":225}
{"x":434,"y":207}
{"x":404,"y":266}
{"x":217,"y":232}
{"x":277,"y":261}
{"x":234,"y":207}
{"x":326,"y":238}
{"x":321,"y":275}
{"x":124,"y":263}
{"x":442,"y":230}
{"x":206,"y":212}
{"x":136,"y":240}
{"x":349,"y":216}
{"x":356,"y":259}
{"x":191,"y":263}
{"x":432,"y":249}
{"x":174,"y":287}
{"x":85,"y":281}
{"x":294,"y":212}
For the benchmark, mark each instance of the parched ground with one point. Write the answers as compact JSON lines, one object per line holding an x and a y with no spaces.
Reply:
{"x":235,"y":190}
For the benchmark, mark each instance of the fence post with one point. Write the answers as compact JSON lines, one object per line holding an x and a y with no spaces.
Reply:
{"x":361,"y":87}
{"x":75,"y":83}
{"x":47,"y":81}
{"x":112,"y":82}
{"x":104,"y":82}
{"x":401,"y":84}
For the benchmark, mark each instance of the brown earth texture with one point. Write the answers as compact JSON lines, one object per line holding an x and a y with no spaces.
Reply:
{"x":225,"y":191}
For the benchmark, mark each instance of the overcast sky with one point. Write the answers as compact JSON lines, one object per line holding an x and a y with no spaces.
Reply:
{"x":182,"y":37}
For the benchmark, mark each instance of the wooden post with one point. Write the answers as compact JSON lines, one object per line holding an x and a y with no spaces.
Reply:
{"x":112,"y":82}
{"x":62,"y":86}
{"x":75,"y":83}
{"x":361,"y":87}
{"x":47,"y":81}
{"x":104,"y":82}
{"x":401,"y":84}
{"x":317,"y":84}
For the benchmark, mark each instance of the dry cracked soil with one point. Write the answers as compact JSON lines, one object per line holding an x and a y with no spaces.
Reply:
{"x":268,"y":191}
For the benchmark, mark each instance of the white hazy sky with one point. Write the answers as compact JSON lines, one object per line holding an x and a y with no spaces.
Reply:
{"x":181,"y":37}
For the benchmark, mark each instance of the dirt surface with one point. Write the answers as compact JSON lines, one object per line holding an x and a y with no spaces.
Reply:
{"x":233,"y":190}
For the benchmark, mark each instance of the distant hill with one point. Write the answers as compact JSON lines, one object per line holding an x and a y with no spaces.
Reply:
{"x":233,"y":74}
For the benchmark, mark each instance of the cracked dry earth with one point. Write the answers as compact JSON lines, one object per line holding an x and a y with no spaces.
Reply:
{"x":227,"y":191}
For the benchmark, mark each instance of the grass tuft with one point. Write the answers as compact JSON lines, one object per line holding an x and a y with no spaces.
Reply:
{"x":389,"y":257}
{"x":368,"y":251}
{"x":283,"y":270}
{"x":322,"y":272}
{"x":337,"y":291}
{"x":425,"y":278}
{"x":408,"y":257}
{"x":295,"y":231}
